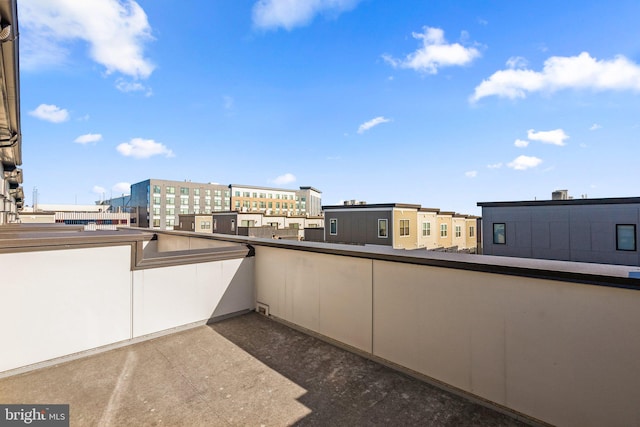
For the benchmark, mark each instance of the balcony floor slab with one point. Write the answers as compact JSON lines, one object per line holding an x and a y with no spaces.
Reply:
{"x":247,"y":370}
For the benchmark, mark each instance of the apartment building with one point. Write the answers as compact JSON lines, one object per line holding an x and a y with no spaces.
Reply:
{"x":158,"y":202}
{"x":399,"y":225}
{"x":11,"y":192}
{"x":603,"y":230}
{"x":277,"y":201}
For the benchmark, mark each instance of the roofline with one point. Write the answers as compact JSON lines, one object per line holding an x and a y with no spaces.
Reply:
{"x":310,"y":188}
{"x":257,"y":187}
{"x":372,"y":206}
{"x":568,"y":202}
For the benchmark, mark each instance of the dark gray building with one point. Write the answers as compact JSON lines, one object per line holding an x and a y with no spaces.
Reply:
{"x":372,"y":224}
{"x":585,"y":230}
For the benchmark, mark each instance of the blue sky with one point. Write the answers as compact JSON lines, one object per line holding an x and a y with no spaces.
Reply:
{"x":439,"y":103}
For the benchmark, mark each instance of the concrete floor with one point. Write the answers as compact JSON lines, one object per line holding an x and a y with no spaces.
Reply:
{"x":247,"y":370}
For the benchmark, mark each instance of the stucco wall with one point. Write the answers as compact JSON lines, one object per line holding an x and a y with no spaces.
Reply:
{"x":564,"y":353}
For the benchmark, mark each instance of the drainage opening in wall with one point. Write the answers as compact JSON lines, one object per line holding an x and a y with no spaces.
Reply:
{"x":262,"y":309}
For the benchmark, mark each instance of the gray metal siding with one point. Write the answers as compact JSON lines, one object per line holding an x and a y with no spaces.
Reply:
{"x":359,"y":227}
{"x":583,"y":233}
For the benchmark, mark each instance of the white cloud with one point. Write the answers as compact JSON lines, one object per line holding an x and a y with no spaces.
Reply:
{"x":98,"y":190}
{"x":595,"y":126}
{"x":495,"y":166}
{"x":555,"y":137}
{"x":287,"y":178}
{"x":50,"y":113}
{"x":524,"y":162}
{"x":521,"y":143}
{"x":143,"y":148}
{"x":133,"y":86}
{"x":562,"y":72}
{"x":434,"y":53}
{"x":115,"y":30}
{"x":471,"y":174}
{"x":288,"y":14}
{"x":87,"y":138}
{"x":517,"y":62}
{"x":121,"y":188}
{"x":371,"y":123}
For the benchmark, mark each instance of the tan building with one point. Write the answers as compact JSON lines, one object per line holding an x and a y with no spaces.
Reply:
{"x":200,"y":223}
{"x":427,"y":228}
{"x":275,"y":201}
{"x":401,"y":226}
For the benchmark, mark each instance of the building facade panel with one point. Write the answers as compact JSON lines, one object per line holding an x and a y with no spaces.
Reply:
{"x":583,"y":230}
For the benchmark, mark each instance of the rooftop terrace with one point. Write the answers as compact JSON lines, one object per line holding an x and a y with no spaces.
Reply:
{"x":247,"y":370}
{"x":542,"y":341}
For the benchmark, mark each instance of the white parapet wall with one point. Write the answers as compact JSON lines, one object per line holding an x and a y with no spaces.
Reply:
{"x":561,"y":351}
{"x":71,"y":297}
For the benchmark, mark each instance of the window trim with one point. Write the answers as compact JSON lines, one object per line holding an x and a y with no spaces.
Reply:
{"x":386,"y":228}
{"x":635,"y":243}
{"x":504,"y":233}
{"x":333,"y":223}
{"x":444,"y":230}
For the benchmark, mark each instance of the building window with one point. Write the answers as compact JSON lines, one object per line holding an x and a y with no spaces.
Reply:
{"x":382,"y":228}
{"x":237,"y":193}
{"x":426,"y":229}
{"x":196,"y":192}
{"x":205,"y":225}
{"x":333,"y":226}
{"x":184,"y":211}
{"x":626,"y":237}
{"x":499,"y":233}
{"x":472,"y":231}
{"x":156,"y":189}
{"x":184,"y":191}
{"x":443,"y":230}
{"x":170,"y":211}
{"x":156,"y":223}
{"x":458,"y":231}
{"x":171,"y":190}
{"x":156,"y":200}
{"x":404,"y":227}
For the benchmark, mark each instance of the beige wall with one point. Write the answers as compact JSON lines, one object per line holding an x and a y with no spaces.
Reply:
{"x":327,"y":294}
{"x":471,"y":224}
{"x":410,"y":241}
{"x":431,"y":241}
{"x":564,"y":353}
{"x":460,"y":242}
{"x":444,"y":242}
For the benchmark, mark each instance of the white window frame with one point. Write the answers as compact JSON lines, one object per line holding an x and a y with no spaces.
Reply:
{"x":386,"y":228}
{"x":333,"y":223}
